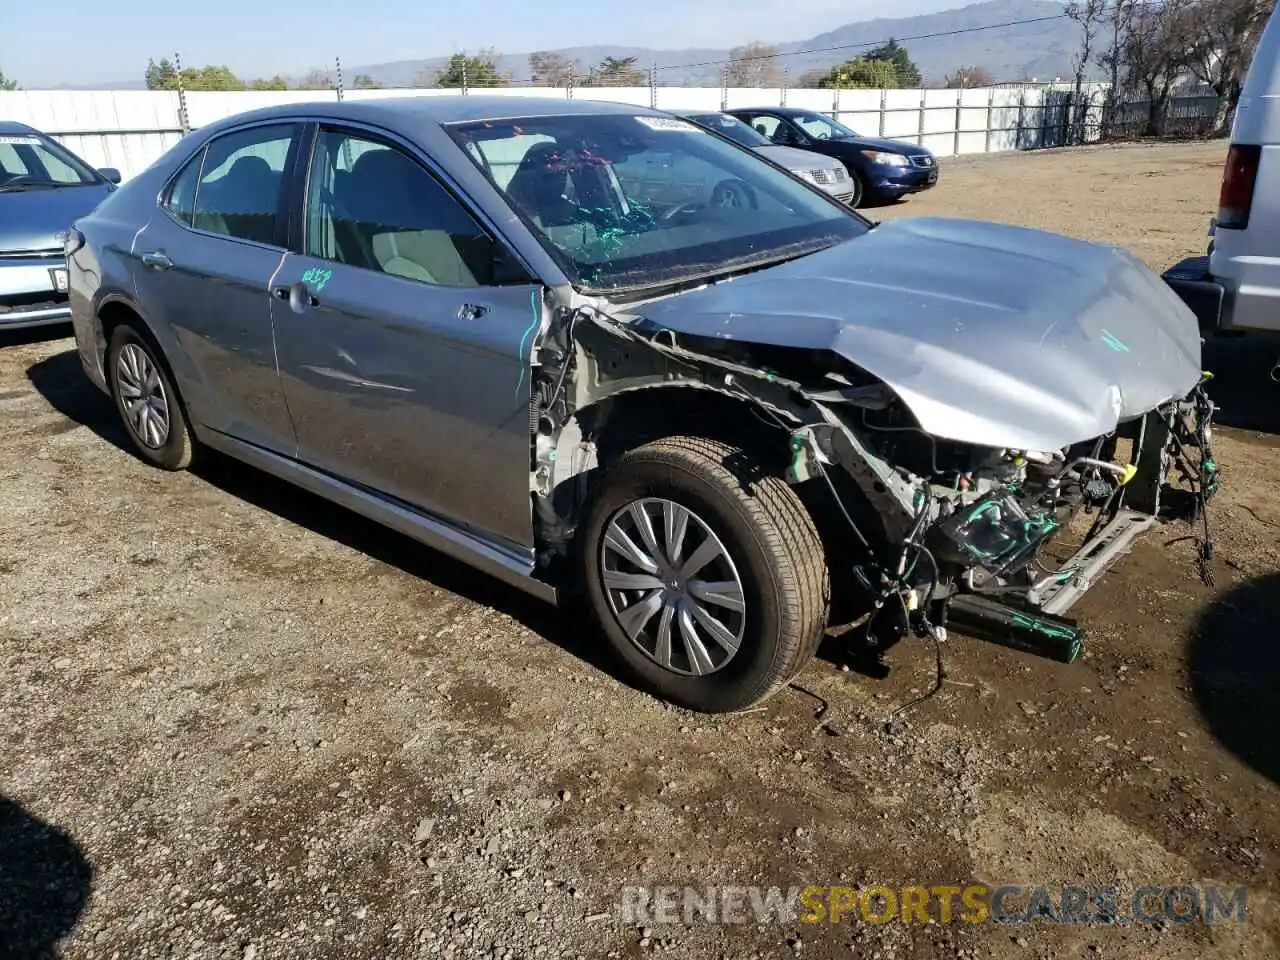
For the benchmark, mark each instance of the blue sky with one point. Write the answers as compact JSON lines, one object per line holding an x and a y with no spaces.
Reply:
{"x":110,"y":41}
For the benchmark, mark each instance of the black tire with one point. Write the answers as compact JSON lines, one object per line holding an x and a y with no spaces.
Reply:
{"x":176,"y":450}
{"x":774,"y":548}
{"x":859,"y":190}
{"x":734,"y":193}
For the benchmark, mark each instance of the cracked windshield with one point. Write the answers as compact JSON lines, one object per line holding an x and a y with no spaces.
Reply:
{"x":625,"y":203}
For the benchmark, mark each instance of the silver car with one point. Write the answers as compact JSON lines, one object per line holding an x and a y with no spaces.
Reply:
{"x":727,"y":426}
{"x":43,"y":188}
{"x":826,"y":173}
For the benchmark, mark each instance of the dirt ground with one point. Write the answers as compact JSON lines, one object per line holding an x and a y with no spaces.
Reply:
{"x":241,"y":723}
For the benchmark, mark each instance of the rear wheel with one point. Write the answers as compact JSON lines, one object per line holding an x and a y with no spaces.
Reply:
{"x":147,"y":400}
{"x":706,"y":573}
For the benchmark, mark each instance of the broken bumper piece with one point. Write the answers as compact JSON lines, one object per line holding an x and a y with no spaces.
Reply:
{"x":999,"y":536}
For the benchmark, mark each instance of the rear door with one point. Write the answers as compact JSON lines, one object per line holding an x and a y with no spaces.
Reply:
{"x":404,"y":360}
{"x":205,"y":265}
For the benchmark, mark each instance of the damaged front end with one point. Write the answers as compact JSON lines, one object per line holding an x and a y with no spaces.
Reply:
{"x":927,"y":532}
{"x":983,"y":551}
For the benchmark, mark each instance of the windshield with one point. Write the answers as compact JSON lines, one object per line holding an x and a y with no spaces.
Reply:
{"x":733,"y":128}
{"x":822,"y":128}
{"x":28,"y":161}
{"x":624,"y":203}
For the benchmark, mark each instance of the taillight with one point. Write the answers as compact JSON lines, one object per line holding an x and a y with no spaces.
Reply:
{"x":1238,"y":178}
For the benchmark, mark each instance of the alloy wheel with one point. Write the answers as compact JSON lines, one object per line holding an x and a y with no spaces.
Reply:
{"x":672,"y":586}
{"x":143,"y":396}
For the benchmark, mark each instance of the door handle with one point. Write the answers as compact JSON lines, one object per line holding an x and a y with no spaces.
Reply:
{"x":472,"y":311}
{"x":156,"y":260}
{"x":303,"y":296}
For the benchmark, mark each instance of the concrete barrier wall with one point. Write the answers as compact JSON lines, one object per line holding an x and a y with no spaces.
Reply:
{"x":129,"y":129}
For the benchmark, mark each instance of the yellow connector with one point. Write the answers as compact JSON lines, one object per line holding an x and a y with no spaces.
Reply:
{"x":1129,"y":471}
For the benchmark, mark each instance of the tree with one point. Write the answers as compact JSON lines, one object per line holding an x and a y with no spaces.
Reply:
{"x":1119,"y":18}
{"x":6,"y":83}
{"x":1224,"y":37}
{"x":365,"y":82}
{"x":552,"y":69}
{"x":315,"y":80}
{"x":969,"y":77}
{"x":274,"y":83}
{"x":905,"y":70}
{"x":811,"y":79}
{"x":753,"y":64}
{"x":162,"y":75}
{"x":861,"y":73}
{"x":1090,"y":15}
{"x":1155,"y":52}
{"x":617,"y":72}
{"x":464,"y":71}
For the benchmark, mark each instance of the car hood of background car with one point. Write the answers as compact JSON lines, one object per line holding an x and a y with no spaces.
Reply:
{"x":991,"y":335}
{"x":876,"y":143}
{"x":34,"y":219}
{"x":794,"y":159}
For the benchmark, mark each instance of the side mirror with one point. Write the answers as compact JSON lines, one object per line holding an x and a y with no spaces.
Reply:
{"x":110,"y":174}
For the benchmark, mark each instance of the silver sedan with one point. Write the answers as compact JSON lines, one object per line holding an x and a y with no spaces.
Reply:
{"x":521,"y":332}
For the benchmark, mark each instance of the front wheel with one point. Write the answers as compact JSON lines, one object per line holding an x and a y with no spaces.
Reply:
{"x":733,"y":195}
{"x":705,"y":572}
{"x":859,"y":190}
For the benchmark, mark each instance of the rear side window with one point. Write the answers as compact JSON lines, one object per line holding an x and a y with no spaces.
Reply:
{"x":239,"y":184}
{"x":181,"y":202}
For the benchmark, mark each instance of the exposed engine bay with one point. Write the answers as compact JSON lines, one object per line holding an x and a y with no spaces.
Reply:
{"x":941,"y":532}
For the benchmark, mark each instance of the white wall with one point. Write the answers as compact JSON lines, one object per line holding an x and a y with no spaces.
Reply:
{"x":129,"y":129}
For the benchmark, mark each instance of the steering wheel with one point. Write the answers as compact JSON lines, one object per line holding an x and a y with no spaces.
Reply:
{"x":681,"y":209}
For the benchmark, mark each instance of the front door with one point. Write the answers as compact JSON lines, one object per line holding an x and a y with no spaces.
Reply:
{"x":405,"y":366}
{"x":206,"y":262}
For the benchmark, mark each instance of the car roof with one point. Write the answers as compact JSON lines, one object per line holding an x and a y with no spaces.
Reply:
{"x":12,"y":127}
{"x":781,"y":111}
{"x":440,"y":110}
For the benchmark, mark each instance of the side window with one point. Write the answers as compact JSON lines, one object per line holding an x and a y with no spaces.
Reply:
{"x":238,"y":192}
{"x":181,"y":202}
{"x":11,"y":162}
{"x":766,"y":125}
{"x":371,"y":206}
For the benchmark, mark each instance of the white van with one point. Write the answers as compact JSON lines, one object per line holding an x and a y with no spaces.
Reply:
{"x":1236,"y":288}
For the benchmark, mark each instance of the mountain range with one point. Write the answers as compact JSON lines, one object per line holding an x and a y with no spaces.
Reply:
{"x":1041,"y":50}
{"x":939,"y":43}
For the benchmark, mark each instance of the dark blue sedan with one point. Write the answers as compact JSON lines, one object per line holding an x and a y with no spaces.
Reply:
{"x":884,"y":169}
{"x":43,"y":189}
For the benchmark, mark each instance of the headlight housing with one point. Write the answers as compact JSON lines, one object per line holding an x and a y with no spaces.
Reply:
{"x":886,"y":159}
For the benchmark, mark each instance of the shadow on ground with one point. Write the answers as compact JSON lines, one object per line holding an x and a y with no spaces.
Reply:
{"x":18,"y":338}
{"x":1242,"y":387}
{"x":45,"y":880}
{"x":1234,"y":662}
{"x":61,"y":382}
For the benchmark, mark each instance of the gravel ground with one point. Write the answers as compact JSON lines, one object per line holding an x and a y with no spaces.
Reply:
{"x":241,"y":723}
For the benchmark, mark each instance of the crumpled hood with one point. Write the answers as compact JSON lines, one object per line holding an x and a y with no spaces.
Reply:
{"x":33,"y":219}
{"x":992,"y":335}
